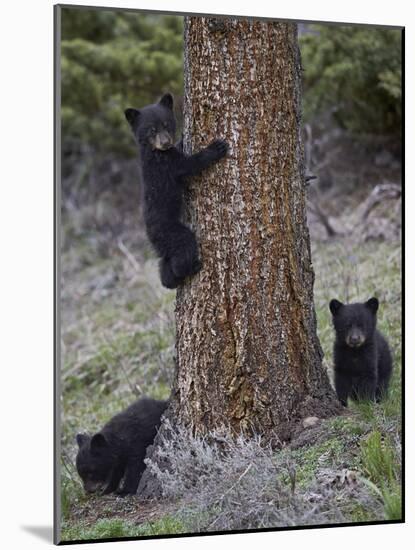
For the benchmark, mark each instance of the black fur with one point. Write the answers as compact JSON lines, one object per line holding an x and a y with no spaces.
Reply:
{"x":362,"y":358}
{"x":164,"y":168}
{"x":119,"y":449}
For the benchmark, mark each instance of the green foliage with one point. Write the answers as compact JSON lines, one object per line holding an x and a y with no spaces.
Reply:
{"x":112,"y":60}
{"x":356,"y":71}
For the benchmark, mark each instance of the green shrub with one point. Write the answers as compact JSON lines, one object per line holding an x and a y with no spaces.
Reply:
{"x":111,"y":60}
{"x":356,"y":72}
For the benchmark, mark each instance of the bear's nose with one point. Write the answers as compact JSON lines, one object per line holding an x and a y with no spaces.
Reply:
{"x":165,"y":139}
{"x":355,"y":339}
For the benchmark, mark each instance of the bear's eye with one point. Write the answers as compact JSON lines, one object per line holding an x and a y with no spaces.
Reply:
{"x":153,"y":130}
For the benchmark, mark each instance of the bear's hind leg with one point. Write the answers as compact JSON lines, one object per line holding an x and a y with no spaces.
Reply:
{"x":167,"y":277}
{"x":343,"y":387}
{"x":184,"y":258}
{"x":382,"y":389}
{"x":365,"y":389}
{"x":133,"y":472}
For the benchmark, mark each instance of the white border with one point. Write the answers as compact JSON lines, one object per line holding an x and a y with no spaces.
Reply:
{"x":26,"y":272}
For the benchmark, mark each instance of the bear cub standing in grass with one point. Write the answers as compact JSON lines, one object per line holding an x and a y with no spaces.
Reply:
{"x":119,"y":449}
{"x":362,"y":358}
{"x":164,"y":168}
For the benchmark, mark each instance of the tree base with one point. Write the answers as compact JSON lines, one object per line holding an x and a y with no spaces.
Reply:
{"x":292,"y":432}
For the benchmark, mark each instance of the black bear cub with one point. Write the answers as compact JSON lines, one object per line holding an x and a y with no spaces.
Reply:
{"x":164,"y":168}
{"x":119,"y":449}
{"x":362,"y":358}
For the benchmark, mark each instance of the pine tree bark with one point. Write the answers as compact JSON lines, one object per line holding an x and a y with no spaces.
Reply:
{"x":247,"y":347}
{"x":248,"y":355}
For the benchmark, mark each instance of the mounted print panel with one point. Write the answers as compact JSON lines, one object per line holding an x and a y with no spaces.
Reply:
{"x":229,"y":313}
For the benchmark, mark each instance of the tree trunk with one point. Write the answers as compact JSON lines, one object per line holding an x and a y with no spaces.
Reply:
{"x":247,"y":348}
{"x":248,"y":355}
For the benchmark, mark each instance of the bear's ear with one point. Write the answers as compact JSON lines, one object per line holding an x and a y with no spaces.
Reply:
{"x":372,"y":305}
{"x":98,"y":442}
{"x":132,"y":115}
{"x":81,"y":439}
{"x":335,"y":305}
{"x":167,"y":101}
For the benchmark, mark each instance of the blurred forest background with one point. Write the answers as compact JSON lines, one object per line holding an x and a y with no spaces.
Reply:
{"x":114,"y":59}
{"x":117,"y":328}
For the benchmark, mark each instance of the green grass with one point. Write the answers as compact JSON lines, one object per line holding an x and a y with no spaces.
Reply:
{"x":381,"y":466}
{"x":392,"y":501}
{"x":360,"y":513}
{"x":119,"y":528}
{"x":378,"y":458}
{"x":347,"y":425}
{"x":307,"y":461}
{"x":71,"y":493}
{"x":138,"y":350}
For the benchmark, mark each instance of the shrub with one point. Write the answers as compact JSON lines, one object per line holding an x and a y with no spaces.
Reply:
{"x":356,"y":73}
{"x":110,"y":60}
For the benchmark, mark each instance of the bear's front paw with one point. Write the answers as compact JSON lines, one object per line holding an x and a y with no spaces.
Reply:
{"x":219,"y":148}
{"x":196,"y":266}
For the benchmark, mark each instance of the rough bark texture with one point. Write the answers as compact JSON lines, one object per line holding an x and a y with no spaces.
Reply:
{"x":247,"y":349}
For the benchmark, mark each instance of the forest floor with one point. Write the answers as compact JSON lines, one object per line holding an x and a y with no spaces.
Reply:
{"x":118,"y":343}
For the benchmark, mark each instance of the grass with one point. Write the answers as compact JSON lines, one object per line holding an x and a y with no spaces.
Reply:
{"x":381,"y":464}
{"x":307,"y":461}
{"x":118,"y":343}
{"x":72,"y":494}
{"x":119,"y":528}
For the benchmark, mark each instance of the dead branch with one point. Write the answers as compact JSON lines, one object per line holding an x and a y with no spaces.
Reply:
{"x":133,"y":262}
{"x":380,"y":193}
{"x":316,"y":209}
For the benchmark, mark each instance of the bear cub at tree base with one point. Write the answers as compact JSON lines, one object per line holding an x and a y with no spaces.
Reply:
{"x":362,"y":358}
{"x":164,"y":168}
{"x":119,"y":449}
